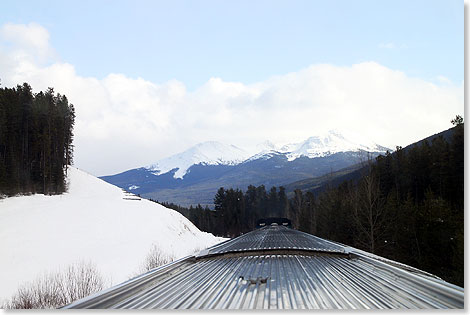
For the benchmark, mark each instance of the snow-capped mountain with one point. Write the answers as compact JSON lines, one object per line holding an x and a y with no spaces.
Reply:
{"x":264,"y":150}
{"x":193,"y":176}
{"x":207,"y":153}
{"x":216,"y":153}
{"x":266,"y":146}
{"x":329,"y":143}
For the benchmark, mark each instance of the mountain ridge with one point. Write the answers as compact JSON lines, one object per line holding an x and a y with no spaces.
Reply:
{"x":353,"y":172}
{"x":208,"y":152}
{"x":186,"y":179}
{"x":217,"y":153}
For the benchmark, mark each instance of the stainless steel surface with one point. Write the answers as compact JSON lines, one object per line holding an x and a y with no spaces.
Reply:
{"x":276,"y":237}
{"x":280,"y":268}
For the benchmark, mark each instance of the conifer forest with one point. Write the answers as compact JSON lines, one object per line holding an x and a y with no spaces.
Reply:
{"x":36,"y":134}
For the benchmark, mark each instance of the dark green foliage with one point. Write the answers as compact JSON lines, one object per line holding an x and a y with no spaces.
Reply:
{"x":36,"y":134}
{"x":236,"y":212}
{"x":408,"y":206}
{"x":458,"y":120}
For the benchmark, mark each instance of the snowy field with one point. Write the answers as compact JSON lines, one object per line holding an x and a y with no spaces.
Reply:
{"x":94,"y":222}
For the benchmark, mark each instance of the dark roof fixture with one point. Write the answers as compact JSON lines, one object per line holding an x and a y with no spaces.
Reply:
{"x":271,"y":221}
{"x":275,"y":267}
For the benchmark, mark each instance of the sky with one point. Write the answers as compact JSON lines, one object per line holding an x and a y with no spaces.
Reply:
{"x":149,"y":79}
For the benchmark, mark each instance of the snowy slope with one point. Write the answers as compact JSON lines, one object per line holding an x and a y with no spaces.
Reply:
{"x":209,"y":153}
{"x":265,"y":146}
{"x":215,"y":153}
{"x":92,"y":222}
{"x":329,"y":143}
{"x":324,"y":144}
{"x":264,"y":150}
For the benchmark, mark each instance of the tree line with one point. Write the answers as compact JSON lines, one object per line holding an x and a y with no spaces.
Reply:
{"x":407,"y":206}
{"x":236,"y":212}
{"x":36,"y":134}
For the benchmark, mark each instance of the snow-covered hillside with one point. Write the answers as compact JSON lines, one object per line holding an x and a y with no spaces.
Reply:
{"x":328,"y":143}
{"x":324,"y":144}
{"x":209,"y":153}
{"x":94,"y":222}
{"x":216,"y":153}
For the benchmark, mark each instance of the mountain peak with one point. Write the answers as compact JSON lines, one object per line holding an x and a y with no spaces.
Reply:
{"x":330,"y":142}
{"x":209,"y":144}
{"x":216,"y":153}
{"x":208,"y":152}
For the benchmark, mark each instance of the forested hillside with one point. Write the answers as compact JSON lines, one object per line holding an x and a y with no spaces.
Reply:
{"x":407,"y":206}
{"x":354,"y":172}
{"x":36,"y":134}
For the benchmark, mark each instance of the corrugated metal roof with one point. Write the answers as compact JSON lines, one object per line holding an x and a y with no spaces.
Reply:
{"x":280,"y":268}
{"x":276,"y":237}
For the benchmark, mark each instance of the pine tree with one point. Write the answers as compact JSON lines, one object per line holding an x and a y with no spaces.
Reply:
{"x":35,"y":132}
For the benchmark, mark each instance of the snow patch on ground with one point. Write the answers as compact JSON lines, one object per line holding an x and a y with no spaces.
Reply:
{"x":92,"y":223}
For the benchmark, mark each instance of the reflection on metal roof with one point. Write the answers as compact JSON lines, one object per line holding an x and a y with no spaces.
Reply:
{"x":280,"y":268}
{"x":276,"y":237}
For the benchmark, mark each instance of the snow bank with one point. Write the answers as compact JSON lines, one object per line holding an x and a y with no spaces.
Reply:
{"x":95,"y":221}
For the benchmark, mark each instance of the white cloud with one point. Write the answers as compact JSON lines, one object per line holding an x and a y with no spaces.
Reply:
{"x":125,"y":122}
{"x":27,"y":38}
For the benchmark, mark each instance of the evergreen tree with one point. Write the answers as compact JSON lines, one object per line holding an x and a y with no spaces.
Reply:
{"x":283,"y":203}
{"x":36,"y":134}
{"x":273,"y":203}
